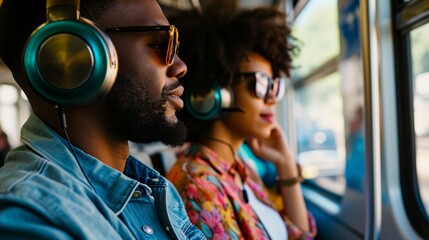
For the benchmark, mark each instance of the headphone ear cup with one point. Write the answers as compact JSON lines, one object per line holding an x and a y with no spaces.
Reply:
{"x":70,"y":62}
{"x":207,"y":107}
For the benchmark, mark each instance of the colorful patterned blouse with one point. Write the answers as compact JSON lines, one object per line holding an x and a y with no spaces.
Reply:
{"x":215,"y":202}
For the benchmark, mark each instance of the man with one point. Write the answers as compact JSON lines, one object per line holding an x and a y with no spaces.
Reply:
{"x":73,"y":178}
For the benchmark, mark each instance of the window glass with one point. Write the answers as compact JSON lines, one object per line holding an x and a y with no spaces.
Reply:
{"x":318,"y":18}
{"x":320,"y":132}
{"x":419,"y":40}
{"x":9,"y":112}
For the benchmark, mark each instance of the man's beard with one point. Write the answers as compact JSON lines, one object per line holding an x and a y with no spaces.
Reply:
{"x":141,"y":118}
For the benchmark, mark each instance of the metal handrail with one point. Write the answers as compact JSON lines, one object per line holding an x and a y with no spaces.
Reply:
{"x":370,"y":56}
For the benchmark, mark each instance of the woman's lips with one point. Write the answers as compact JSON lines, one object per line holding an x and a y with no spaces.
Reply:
{"x":268,"y":117}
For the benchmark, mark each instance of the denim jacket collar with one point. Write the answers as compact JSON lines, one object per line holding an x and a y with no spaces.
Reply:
{"x":111,"y":185}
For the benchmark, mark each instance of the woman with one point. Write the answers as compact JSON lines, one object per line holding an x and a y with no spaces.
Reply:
{"x":236,"y":66}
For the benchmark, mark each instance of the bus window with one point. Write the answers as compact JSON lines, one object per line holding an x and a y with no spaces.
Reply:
{"x":419,"y":41}
{"x":319,"y":117}
{"x":318,"y":18}
{"x":9,"y":96}
{"x":14,"y":106}
{"x":320,"y":133}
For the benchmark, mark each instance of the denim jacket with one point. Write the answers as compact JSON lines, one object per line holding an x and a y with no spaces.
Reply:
{"x":45,"y":194}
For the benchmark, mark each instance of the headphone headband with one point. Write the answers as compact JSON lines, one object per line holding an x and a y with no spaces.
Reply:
{"x":62,"y":10}
{"x":51,"y":3}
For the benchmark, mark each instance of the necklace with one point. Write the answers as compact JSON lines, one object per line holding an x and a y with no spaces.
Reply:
{"x":237,"y":165}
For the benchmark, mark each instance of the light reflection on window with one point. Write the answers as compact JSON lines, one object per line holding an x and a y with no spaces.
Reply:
{"x":320,"y":132}
{"x":420,"y":68}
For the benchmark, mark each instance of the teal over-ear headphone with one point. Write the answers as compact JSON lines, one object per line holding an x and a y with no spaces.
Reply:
{"x":68,"y":60}
{"x":207,"y":107}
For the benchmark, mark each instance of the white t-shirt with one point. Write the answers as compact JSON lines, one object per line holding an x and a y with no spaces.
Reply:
{"x":269,"y":217}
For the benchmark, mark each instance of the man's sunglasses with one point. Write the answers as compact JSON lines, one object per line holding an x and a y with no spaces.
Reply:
{"x":265,"y":86}
{"x":173,"y":40}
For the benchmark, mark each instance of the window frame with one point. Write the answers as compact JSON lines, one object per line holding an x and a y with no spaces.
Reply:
{"x":409,"y":16}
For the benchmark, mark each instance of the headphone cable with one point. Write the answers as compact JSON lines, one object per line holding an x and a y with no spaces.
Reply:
{"x":63,"y":121}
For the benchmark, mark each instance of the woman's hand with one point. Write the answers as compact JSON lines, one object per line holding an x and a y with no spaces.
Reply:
{"x":275,"y":148}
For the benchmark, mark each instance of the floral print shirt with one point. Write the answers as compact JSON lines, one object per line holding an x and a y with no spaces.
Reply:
{"x":214,"y":200}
